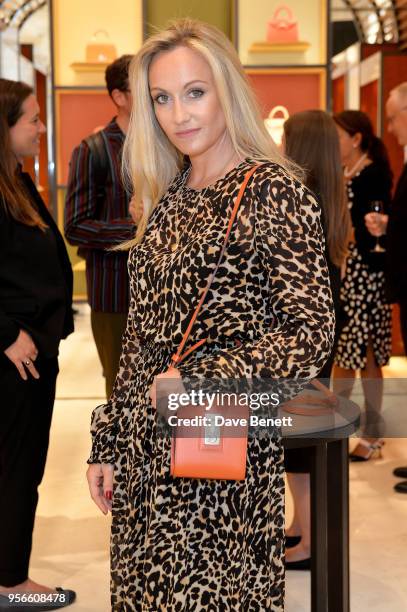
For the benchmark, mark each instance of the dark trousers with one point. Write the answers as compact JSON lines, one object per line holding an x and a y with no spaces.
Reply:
{"x":403,"y":322}
{"x":108,"y":329}
{"x":25,"y":420}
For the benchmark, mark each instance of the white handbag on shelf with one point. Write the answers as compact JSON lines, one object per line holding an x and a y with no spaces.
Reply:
{"x":275,"y":125}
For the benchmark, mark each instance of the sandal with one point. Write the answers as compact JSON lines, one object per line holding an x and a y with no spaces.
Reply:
{"x":367,"y":450}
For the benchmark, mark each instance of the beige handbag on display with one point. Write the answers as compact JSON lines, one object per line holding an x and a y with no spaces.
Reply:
{"x":100,"y":49}
{"x":275,"y":125}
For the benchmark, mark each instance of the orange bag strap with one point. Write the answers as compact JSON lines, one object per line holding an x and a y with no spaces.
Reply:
{"x":179,"y":356}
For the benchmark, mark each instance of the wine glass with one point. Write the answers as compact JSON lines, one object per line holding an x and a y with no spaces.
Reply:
{"x":377,"y":206}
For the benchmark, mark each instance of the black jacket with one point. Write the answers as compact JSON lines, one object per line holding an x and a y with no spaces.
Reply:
{"x":373,"y":183}
{"x":35,"y":280}
{"x":396,"y":260}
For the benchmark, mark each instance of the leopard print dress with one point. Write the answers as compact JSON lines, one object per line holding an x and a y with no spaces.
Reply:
{"x":211,"y":545}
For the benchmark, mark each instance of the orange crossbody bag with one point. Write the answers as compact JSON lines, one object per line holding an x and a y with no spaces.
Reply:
{"x":215,"y":447}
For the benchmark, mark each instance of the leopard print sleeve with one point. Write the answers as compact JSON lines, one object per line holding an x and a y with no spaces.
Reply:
{"x":289,"y":244}
{"x":106,"y":417}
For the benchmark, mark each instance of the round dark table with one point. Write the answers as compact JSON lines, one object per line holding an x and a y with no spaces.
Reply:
{"x":327,"y":437}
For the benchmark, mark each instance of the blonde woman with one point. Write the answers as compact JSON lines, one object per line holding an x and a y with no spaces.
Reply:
{"x":195,"y":131}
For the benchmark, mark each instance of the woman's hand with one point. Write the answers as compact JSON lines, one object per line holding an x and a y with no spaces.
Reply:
{"x":376,"y":223}
{"x":23,"y":353}
{"x":136,"y":210}
{"x":100,"y":481}
{"x":164,"y":384}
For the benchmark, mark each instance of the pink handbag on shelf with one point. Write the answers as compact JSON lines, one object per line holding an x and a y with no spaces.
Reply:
{"x":282,"y":28}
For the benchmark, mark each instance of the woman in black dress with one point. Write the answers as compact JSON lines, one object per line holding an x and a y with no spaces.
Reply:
{"x":35,"y":313}
{"x":365,"y":342}
{"x":311,"y":140}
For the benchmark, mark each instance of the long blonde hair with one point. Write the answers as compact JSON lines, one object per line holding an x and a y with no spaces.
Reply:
{"x":150,"y":161}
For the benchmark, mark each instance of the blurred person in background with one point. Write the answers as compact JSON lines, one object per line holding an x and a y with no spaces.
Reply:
{"x":395,"y":224}
{"x":311,"y":140}
{"x":97,"y":218}
{"x":35,"y":314}
{"x":365,"y":341}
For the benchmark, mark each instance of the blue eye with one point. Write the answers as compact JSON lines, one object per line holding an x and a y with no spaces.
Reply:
{"x":196,"y":93}
{"x":161,"y":99}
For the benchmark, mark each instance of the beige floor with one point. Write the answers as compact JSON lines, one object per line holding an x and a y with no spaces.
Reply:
{"x":71,"y":536}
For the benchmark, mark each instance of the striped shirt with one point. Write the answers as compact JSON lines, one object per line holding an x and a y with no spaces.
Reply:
{"x":95,"y":225}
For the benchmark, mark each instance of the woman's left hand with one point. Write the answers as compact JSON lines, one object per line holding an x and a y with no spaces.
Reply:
{"x":376,"y":223}
{"x":164,"y":384}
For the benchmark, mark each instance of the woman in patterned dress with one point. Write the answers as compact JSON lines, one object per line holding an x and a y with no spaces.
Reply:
{"x":188,"y":544}
{"x":365,"y":340}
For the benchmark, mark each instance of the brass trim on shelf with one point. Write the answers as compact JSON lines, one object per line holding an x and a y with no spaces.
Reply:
{"x":89,"y":66}
{"x":266,"y":47}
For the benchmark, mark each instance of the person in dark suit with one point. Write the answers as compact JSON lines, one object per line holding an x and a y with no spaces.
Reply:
{"x":35,"y":313}
{"x":395,"y":225}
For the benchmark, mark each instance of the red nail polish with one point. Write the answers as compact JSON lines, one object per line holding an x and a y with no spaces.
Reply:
{"x":109,"y":495}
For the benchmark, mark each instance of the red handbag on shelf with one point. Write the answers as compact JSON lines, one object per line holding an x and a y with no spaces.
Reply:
{"x":282,"y":29}
{"x":210,"y":451}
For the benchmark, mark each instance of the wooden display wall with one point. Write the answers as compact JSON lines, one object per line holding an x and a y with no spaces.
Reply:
{"x":78,"y":114}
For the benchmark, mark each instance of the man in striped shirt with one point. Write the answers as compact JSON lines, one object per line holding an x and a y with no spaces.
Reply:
{"x":97,"y":218}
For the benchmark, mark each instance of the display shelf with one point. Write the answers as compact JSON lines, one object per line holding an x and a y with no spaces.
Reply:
{"x":292,"y":47}
{"x":89,"y":66}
